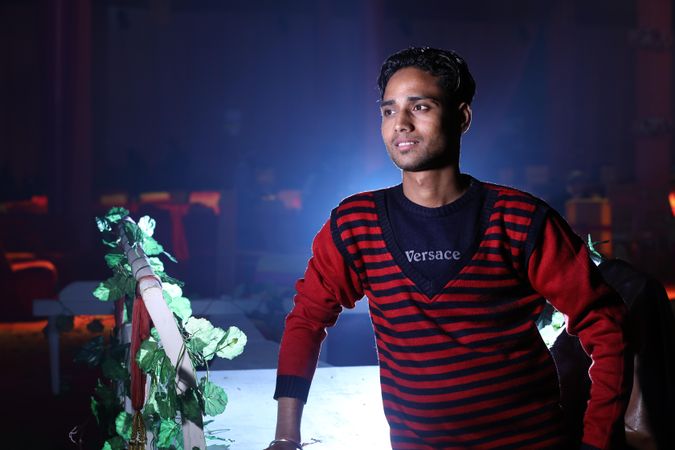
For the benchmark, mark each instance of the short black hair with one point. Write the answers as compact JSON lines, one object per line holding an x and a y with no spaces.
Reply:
{"x":450,"y":68}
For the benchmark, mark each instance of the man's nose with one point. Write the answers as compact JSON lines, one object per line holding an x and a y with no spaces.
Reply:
{"x":403,"y":122}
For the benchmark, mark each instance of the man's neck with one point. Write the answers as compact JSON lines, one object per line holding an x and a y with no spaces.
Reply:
{"x":433,"y":188}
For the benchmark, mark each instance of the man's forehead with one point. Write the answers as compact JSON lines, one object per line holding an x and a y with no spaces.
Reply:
{"x":412,"y":82}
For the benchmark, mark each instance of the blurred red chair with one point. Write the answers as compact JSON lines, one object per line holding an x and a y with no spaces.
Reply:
{"x":24,"y":278}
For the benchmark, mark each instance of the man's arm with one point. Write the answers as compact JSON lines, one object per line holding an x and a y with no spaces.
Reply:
{"x":289,"y":415}
{"x":560,"y":269}
{"x":328,"y":285}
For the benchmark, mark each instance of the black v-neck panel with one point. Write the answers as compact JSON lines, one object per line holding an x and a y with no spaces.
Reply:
{"x":432,"y":287}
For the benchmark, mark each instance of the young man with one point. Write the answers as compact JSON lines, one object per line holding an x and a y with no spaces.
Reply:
{"x":456,"y":272}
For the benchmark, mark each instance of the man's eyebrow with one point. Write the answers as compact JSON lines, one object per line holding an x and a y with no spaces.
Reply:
{"x":411,"y":99}
{"x":423,"y":97}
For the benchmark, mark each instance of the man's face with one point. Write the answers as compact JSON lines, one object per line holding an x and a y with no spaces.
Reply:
{"x":418,"y":128}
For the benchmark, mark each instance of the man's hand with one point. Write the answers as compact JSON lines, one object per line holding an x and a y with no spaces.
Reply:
{"x":282,"y":446}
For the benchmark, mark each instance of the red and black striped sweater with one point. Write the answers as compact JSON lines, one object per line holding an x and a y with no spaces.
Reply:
{"x":464,"y":367}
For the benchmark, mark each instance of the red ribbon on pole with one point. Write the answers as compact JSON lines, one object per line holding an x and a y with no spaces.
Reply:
{"x":140,"y":331}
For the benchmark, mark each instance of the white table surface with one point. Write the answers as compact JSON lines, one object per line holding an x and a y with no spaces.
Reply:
{"x":344,"y":409}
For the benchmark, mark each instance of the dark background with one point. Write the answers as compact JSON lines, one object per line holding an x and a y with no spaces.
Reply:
{"x":133,"y":96}
{"x":253,"y":98}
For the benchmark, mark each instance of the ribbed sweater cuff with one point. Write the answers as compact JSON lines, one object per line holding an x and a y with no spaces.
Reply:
{"x":292,"y":386}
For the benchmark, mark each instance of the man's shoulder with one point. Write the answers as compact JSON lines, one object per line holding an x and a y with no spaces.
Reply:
{"x":510,"y":194}
{"x":504,"y":190}
{"x":355,"y":210}
{"x":365,"y":199}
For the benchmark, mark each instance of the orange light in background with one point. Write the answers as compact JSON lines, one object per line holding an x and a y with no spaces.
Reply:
{"x":154,"y":197}
{"x":592,"y":216}
{"x":670,"y":290}
{"x":209,"y":199}
{"x":671,"y":200}
{"x":114,"y":199}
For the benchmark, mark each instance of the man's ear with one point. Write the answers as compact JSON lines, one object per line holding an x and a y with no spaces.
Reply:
{"x":464,"y":116}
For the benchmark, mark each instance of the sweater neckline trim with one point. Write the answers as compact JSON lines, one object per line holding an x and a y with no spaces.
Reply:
{"x":474,"y":189}
{"x":428,"y":286}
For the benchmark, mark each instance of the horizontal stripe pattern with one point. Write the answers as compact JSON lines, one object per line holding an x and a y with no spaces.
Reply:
{"x":466,"y":368}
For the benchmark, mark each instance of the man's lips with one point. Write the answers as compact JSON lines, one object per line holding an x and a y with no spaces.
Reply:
{"x":405,"y":143}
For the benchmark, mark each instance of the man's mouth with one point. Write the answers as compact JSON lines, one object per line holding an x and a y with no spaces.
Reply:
{"x":404,"y":145}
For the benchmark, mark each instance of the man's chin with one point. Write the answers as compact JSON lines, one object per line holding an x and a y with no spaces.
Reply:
{"x":422,"y":166}
{"x":424,"y":163}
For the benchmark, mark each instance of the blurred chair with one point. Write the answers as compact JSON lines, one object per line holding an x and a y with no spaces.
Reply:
{"x":206,"y":198}
{"x":24,"y":278}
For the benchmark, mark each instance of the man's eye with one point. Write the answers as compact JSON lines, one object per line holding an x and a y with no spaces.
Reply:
{"x":420,"y":107}
{"x":387,"y":112}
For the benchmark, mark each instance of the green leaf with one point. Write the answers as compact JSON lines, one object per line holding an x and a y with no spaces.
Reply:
{"x":167,"y":373}
{"x":216,"y":339}
{"x":111,"y":244}
{"x":156,"y":264}
{"x":108,"y":290}
{"x":151,"y":419}
{"x":123,"y":424}
{"x":215,"y":398}
{"x":132,"y":233}
{"x":102,"y":224}
{"x":148,"y":355}
{"x":200,"y":333}
{"x":180,"y":306}
{"x":167,"y":404}
{"x":235,"y":341}
{"x":105,"y":394}
{"x":167,"y":279}
{"x":151,"y":247}
{"x":118,"y":443}
{"x":94,"y":405}
{"x":91,"y":353}
{"x":107,"y":406}
{"x":190,"y":406}
{"x":114,"y":369}
{"x":171,"y":290}
{"x":64,"y":323}
{"x":168,"y":432}
{"x":147,"y":225}
{"x":150,"y":408}
{"x":557,"y":320}
{"x":595,"y":255}
{"x":116,"y":214}
{"x":154,"y":334}
{"x":129,"y":287}
{"x":113,"y":259}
